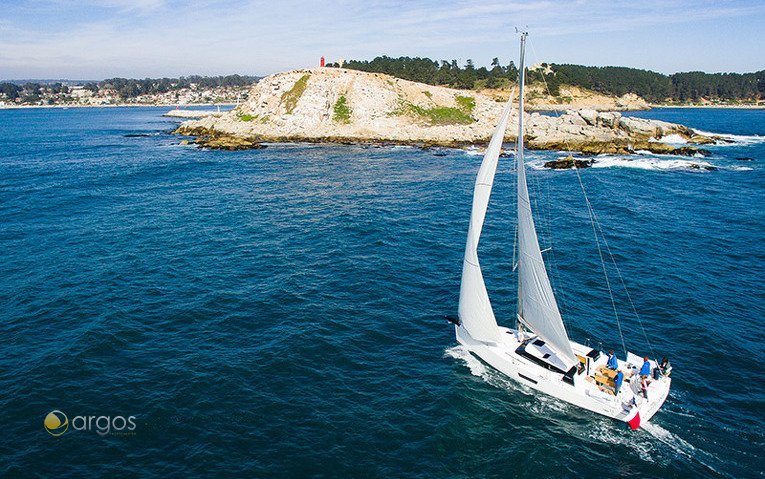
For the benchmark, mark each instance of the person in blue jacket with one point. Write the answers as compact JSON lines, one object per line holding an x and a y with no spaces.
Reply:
{"x":646,"y":369}
{"x":618,"y":380}
{"x":612,"y":364}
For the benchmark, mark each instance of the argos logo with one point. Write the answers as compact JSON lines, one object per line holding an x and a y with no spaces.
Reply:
{"x":57,"y":423}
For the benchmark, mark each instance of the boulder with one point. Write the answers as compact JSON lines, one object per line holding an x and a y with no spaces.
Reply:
{"x":228,"y":142}
{"x":589,"y":116}
{"x":696,"y":166}
{"x":638,"y":126}
{"x":702,"y":140}
{"x":690,"y":151}
{"x":568,"y":163}
{"x":610,"y":119}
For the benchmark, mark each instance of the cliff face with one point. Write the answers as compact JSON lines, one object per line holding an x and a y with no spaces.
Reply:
{"x":332,"y":104}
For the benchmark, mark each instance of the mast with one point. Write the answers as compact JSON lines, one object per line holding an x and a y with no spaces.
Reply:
{"x":519,"y":163}
{"x":537,"y":306}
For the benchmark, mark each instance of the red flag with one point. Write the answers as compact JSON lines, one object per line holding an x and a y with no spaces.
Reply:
{"x":635,"y":421}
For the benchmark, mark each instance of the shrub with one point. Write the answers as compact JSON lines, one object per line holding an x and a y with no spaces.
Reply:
{"x":291,"y":97}
{"x":342,"y":110}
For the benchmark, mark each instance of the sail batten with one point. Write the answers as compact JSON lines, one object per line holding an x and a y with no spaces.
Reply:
{"x":537,"y":307}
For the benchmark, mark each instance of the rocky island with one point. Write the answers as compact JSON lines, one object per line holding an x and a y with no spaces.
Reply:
{"x":341,"y":105}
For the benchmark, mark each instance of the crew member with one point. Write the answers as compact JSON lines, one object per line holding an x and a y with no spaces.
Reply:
{"x":644,"y":385}
{"x":612,"y":363}
{"x":665,"y":367}
{"x":618,"y":382}
{"x":646,"y":369}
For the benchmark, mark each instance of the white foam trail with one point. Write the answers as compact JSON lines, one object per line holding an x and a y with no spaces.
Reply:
{"x":605,"y":432}
{"x":679,"y":445}
{"x":675,"y":443}
{"x":473,"y":151}
{"x":740,"y":168}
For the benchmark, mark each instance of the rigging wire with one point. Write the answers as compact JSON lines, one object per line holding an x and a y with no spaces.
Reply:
{"x":594,"y":221}
{"x":626,"y":291}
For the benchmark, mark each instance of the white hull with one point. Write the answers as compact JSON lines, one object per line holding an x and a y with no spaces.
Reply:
{"x":629,"y":406}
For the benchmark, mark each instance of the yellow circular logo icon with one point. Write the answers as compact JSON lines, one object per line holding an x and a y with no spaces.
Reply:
{"x":56,"y":423}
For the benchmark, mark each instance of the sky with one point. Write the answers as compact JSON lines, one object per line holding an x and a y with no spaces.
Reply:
{"x":93,"y":40}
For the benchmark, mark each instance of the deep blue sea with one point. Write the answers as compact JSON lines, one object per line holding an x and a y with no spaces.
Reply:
{"x":280,"y":312}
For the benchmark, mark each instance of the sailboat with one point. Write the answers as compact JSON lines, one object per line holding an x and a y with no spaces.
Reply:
{"x":538,"y":352}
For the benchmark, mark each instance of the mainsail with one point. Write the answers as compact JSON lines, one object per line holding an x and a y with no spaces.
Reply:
{"x":537,"y":307}
{"x":475,"y":310}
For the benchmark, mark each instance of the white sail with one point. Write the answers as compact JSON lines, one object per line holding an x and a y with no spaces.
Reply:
{"x":475,"y":311}
{"x":537,"y":307}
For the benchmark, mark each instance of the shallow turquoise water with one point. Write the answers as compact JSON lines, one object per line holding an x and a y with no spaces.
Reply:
{"x":279,"y":312}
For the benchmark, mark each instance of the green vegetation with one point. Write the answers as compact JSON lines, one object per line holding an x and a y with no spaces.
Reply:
{"x":245,"y":116}
{"x":291,"y":97}
{"x":443,"y":115}
{"x":656,"y":87}
{"x":425,"y":70}
{"x":342,"y":111}
{"x":466,"y":103}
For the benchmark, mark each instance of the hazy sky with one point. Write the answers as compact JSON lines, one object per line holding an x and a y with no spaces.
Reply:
{"x":90,"y":39}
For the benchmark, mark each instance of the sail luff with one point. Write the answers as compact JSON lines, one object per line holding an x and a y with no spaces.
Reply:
{"x":475,"y":311}
{"x":537,"y":307}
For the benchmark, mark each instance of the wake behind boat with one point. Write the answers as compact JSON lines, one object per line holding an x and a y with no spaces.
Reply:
{"x":538,"y":351}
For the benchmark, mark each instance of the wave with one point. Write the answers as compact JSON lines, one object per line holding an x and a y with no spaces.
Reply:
{"x":673,"y":139}
{"x":643,"y":162}
{"x":731,"y":139}
{"x":649,"y":163}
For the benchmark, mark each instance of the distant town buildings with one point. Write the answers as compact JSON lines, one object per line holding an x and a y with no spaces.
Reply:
{"x":125,"y":92}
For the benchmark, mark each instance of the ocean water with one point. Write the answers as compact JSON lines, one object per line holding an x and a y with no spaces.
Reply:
{"x":279,"y":312}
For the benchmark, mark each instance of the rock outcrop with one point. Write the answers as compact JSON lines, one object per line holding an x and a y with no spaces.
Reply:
{"x":338,"y":105}
{"x":568,"y":163}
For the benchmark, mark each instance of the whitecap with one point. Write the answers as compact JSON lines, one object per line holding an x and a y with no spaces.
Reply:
{"x":673,"y":139}
{"x":656,"y":164}
{"x":731,"y":139}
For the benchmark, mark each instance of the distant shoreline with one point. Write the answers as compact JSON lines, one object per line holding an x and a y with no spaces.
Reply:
{"x":175,"y":105}
{"x":727,"y":107}
{"x":119,"y":105}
